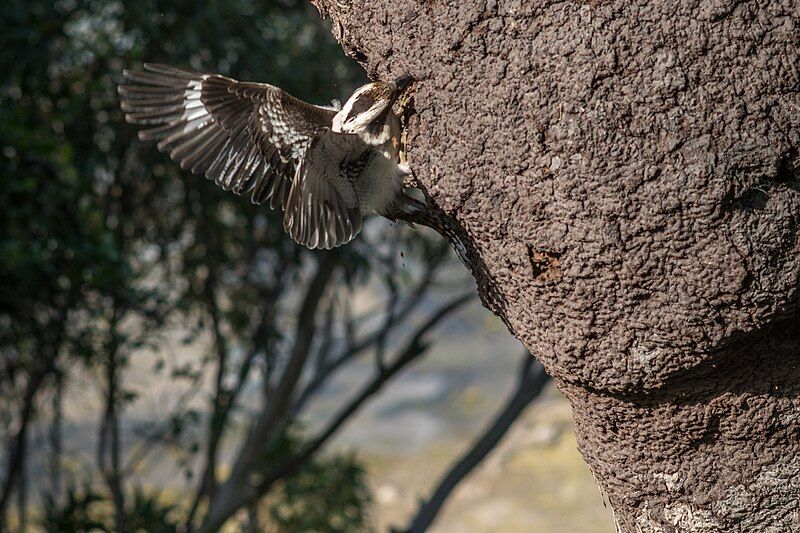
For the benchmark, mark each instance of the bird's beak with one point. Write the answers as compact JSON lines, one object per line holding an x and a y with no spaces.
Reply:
{"x":403,"y":82}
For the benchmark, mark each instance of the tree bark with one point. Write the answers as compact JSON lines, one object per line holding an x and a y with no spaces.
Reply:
{"x":625,"y":175}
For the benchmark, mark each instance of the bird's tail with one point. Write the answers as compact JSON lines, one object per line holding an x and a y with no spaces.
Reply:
{"x":412,"y":212}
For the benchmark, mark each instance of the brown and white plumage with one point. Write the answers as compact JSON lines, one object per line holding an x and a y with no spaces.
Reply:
{"x":248,"y":138}
{"x":325,"y":168}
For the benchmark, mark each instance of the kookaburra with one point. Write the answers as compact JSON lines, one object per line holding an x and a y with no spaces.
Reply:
{"x":325,"y":167}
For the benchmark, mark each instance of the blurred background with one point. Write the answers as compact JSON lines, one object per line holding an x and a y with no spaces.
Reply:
{"x":170,"y":360}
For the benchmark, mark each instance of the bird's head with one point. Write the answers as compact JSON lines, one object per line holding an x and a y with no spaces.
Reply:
{"x":365,"y":113}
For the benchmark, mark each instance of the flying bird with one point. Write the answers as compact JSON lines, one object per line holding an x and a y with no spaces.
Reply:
{"x":325,"y":167}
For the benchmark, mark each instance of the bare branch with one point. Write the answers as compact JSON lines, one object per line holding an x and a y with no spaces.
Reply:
{"x":532,"y":381}
{"x":237,"y":490}
{"x":220,"y":405}
{"x":240,"y":494}
{"x":109,"y":424}
{"x":16,"y":447}
{"x":389,"y":319}
{"x":157,"y":433}
{"x":412,"y":349}
{"x":53,"y":494}
{"x":221,"y":409}
{"x":22,"y":490}
{"x":46,"y":354}
{"x":353,"y":348}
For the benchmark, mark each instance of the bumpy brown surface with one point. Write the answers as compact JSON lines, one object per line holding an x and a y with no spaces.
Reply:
{"x":626,"y":173}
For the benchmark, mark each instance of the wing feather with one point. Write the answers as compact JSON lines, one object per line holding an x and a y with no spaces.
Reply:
{"x":322,"y":209}
{"x":254,"y":138}
{"x":247,"y":137}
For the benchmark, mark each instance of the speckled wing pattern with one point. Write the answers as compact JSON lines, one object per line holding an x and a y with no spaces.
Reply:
{"x":323,"y":209}
{"x":247,"y":137}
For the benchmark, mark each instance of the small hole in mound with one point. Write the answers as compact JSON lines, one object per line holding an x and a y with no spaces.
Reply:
{"x":754,"y":198}
{"x":787,"y":169}
{"x":545,"y":265}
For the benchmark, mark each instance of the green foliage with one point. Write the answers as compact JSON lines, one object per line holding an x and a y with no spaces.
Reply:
{"x":148,"y":513}
{"x":327,"y":494}
{"x":83,"y":510}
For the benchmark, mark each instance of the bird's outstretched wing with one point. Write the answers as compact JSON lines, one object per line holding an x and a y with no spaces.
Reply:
{"x":322,"y":210}
{"x":245,"y":136}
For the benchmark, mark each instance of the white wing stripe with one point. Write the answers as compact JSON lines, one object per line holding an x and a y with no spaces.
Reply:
{"x":251,"y":137}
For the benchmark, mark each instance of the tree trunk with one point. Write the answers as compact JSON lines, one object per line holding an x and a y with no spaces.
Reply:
{"x":626,"y":177}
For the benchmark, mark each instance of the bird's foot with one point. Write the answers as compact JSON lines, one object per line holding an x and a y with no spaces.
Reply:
{"x":461,"y":251}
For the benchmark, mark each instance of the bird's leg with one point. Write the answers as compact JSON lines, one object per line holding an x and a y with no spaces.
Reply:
{"x":404,"y":110}
{"x":403,"y":167}
{"x":412,"y":212}
{"x":406,"y":174}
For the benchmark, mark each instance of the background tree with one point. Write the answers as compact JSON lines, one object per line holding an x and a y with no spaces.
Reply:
{"x":627,"y":176}
{"x":108,"y":250}
{"x":101,"y":257}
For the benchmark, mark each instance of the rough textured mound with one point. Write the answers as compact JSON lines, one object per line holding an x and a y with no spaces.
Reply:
{"x":627,"y":174}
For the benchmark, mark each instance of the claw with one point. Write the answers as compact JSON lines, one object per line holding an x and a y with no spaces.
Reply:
{"x":461,"y":252}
